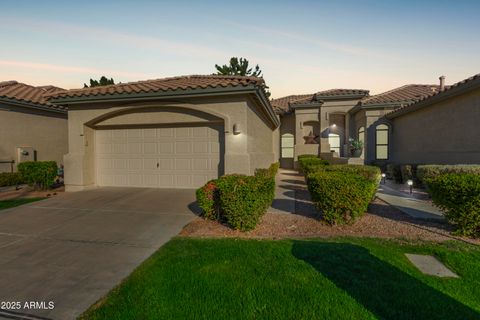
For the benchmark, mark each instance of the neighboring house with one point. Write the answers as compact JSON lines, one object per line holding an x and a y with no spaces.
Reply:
{"x":30,"y":127}
{"x":442,"y":128}
{"x":323,"y":123}
{"x":175,"y":132}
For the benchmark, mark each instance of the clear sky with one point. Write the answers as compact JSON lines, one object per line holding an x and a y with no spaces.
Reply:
{"x":301,"y":46}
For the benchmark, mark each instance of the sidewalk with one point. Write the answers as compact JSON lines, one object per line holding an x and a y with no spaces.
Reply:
{"x":291,"y":194}
{"x":415,"y":205}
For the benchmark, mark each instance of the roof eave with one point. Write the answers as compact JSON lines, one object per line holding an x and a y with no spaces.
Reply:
{"x":449,"y":93}
{"x":187,"y":93}
{"x":31,"y":105}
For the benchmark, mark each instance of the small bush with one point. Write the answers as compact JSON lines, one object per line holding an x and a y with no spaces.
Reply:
{"x":340,"y":196}
{"x":239,"y":200}
{"x":425,"y":172}
{"x":39,"y":174}
{"x":406,"y":171}
{"x":390,"y":171}
{"x":207,"y":200}
{"x":311,"y":164}
{"x":458,"y":195}
{"x":10,"y":179}
{"x":242,"y":200}
{"x":306,"y":156}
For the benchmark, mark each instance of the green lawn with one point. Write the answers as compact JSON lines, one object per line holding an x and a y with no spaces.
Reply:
{"x":294,"y":279}
{"x":5,"y":204}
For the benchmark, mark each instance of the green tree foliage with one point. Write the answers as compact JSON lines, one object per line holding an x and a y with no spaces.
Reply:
{"x":238,"y":67}
{"x":104,"y":81}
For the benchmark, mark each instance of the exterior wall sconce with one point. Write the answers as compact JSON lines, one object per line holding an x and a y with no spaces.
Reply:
{"x":383,"y":177}
{"x":236,"y":129}
{"x":334,"y":125}
{"x":410,"y":184}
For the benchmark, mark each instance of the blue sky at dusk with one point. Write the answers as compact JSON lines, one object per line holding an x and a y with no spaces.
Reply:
{"x":301,"y":46}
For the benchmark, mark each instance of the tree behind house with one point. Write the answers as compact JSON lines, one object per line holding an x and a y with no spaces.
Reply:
{"x":104,"y":81}
{"x":238,"y":67}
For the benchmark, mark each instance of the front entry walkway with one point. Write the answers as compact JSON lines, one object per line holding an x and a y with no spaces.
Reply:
{"x":72,"y":249}
{"x":291,"y":194}
{"x":413,"y":206}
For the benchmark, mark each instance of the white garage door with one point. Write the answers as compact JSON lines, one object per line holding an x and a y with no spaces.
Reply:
{"x":184,"y":157}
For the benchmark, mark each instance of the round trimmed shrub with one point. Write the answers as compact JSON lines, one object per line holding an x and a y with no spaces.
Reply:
{"x":340,"y":196}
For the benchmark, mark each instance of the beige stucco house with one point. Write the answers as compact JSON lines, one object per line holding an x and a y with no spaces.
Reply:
{"x":323,"y":123}
{"x":175,"y":132}
{"x":31,"y":128}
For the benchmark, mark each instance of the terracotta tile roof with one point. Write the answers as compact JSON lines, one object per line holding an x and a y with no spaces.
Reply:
{"x":402,"y":95}
{"x":163,"y":85}
{"x":425,"y":100}
{"x":342,"y":92}
{"x":25,"y":93}
{"x":283,"y":104}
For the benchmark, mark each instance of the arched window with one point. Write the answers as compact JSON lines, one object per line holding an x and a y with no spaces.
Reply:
{"x":381,"y":142}
{"x":287,"y":145}
{"x":334,"y":141}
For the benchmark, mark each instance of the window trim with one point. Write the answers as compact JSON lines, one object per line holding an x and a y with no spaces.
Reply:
{"x":290,"y":136}
{"x":336,"y":135}
{"x":387,"y":144}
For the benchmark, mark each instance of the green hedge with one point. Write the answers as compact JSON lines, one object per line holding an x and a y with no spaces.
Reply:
{"x":371,"y":173}
{"x":39,"y":174}
{"x":10,"y":179}
{"x":425,"y":172}
{"x":341,"y":196}
{"x":310,"y":164}
{"x":458,"y":195}
{"x":239,"y":200}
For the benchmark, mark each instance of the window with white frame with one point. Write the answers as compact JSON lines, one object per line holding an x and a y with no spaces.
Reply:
{"x":381,"y":142}
{"x":334,"y":141}
{"x":287,"y":145}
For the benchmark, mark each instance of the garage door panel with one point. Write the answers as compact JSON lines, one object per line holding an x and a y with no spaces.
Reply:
{"x":183,"y":147}
{"x":201,"y":147}
{"x":185,"y":157}
{"x":182,"y":132}
{"x":135,"y":164}
{"x":183,"y":164}
{"x":165,"y":132}
{"x":150,"y":148}
{"x":166,"y":148}
{"x":166,"y":164}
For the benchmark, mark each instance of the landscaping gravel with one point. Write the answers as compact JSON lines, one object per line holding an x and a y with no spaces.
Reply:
{"x":381,"y":221}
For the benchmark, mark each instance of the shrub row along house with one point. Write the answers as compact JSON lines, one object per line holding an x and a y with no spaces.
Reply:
{"x":181,"y":132}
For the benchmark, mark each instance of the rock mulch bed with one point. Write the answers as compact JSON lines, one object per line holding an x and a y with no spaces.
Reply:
{"x":28,"y":192}
{"x":381,"y":221}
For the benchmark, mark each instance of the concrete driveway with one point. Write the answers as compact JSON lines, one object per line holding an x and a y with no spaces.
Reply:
{"x":72,"y":249}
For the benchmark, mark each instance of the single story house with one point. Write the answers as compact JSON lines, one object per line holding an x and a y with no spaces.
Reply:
{"x":31,"y":128}
{"x":175,"y":132}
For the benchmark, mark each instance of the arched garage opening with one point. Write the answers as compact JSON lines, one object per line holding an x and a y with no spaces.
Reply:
{"x":158,"y":147}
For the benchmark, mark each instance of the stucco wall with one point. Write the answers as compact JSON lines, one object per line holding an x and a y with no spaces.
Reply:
{"x":244,"y":152}
{"x":45,"y":132}
{"x":445,"y":133}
